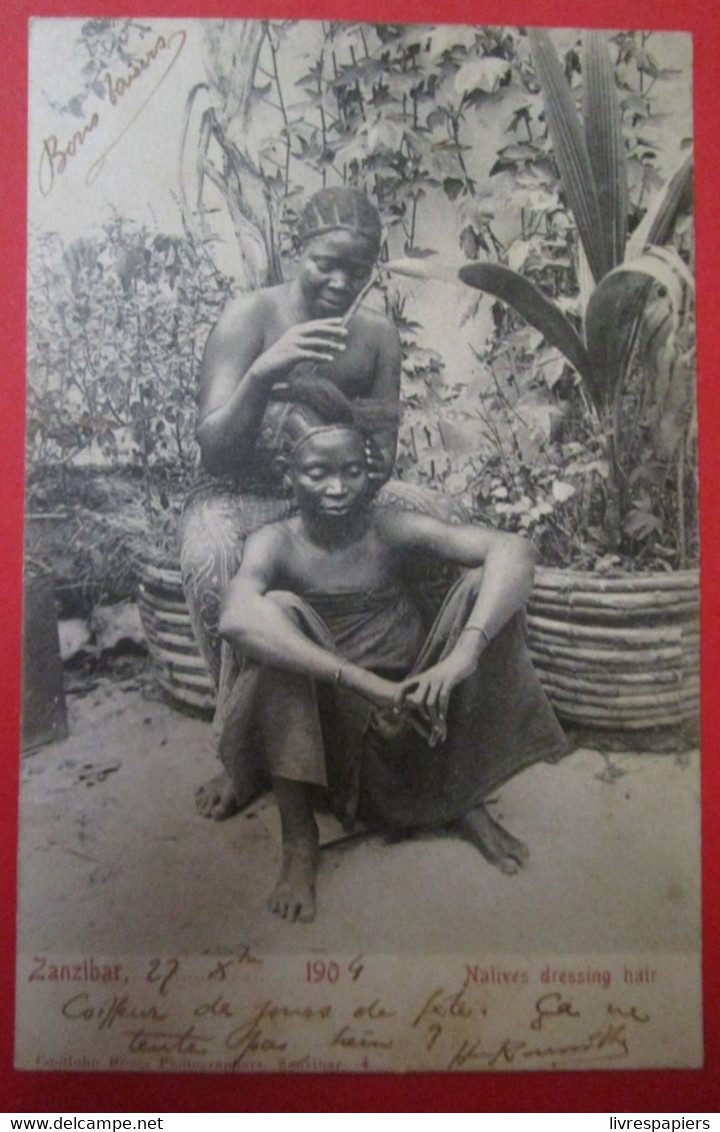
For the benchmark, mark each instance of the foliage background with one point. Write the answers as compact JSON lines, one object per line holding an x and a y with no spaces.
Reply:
{"x":444,"y":127}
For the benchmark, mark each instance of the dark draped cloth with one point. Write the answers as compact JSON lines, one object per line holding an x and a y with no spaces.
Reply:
{"x":221,"y":512}
{"x":376,"y":767}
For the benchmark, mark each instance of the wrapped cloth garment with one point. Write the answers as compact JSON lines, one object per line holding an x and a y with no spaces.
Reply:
{"x":220,"y":513}
{"x":375,"y":767}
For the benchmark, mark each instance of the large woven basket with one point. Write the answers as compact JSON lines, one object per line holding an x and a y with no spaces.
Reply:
{"x":618,"y":653}
{"x":179,"y":667}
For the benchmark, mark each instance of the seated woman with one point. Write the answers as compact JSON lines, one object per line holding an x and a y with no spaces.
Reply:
{"x":262,"y":343}
{"x":342,"y":687}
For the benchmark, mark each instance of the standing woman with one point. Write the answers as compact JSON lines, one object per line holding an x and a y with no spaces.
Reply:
{"x":262,"y":342}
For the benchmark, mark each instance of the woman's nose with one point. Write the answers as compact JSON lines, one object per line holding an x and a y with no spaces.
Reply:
{"x":336,"y":486}
{"x":339,"y":279}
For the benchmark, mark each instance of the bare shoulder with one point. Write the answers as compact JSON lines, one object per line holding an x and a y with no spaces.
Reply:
{"x":374,"y":322}
{"x":268,"y":545}
{"x":246,"y":311}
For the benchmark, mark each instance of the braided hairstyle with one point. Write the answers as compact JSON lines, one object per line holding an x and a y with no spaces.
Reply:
{"x":318,"y":403}
{"x":340,"y":207}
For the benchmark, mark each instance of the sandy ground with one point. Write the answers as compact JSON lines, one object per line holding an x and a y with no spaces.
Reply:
{"x":114,"y":859}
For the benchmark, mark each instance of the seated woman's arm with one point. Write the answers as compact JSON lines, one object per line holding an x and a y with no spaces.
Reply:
{"x":508,"y":563}
{"x":260,"y":628}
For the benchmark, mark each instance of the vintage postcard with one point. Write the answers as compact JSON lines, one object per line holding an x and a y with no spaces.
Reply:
{"x":361,"y":577}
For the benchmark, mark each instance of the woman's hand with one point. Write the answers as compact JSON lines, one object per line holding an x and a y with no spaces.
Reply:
{"x":428,"y":693}
{"x":321,"y":340}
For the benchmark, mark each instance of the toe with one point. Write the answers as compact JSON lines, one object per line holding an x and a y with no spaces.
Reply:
{"x":522,"y":852}
{"x":508,"y":866}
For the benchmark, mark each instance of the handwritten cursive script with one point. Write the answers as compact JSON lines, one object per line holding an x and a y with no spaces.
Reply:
{"x":609,"y":1043}
{"x":56,"y":156}
{"x":552,"y":1005}
{"x":310,"y":1014}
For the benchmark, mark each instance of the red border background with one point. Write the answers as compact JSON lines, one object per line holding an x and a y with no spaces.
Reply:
{"x":674,"y":1091}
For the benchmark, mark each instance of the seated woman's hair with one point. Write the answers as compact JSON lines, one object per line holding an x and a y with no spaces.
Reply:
{"x":341,"y":208}
{"x":317,"y":402}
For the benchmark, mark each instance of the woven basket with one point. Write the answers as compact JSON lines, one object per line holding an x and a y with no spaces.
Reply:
{"x":618,"y":653}
{"x":179,"y":667}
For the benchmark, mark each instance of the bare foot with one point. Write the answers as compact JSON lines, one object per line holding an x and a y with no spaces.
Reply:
{"x":497,"y":846}
{"x":216,"y":799}
{"x":293,"y":897}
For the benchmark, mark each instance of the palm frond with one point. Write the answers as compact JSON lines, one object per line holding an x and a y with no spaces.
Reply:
{"x":616,"y":308}
{"x":541,"y":312}
{"x":657,"y":224}
{"x":606,"y":148}
{"x":571,"y":151}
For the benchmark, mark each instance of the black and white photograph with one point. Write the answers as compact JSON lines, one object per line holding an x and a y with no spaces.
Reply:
{"x":360,"y":720}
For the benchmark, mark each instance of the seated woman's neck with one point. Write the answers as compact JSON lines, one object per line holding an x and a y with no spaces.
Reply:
{"x":337,"y":532}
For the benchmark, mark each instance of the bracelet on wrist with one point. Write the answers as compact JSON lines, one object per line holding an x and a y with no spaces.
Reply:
{"x":477,"y":629}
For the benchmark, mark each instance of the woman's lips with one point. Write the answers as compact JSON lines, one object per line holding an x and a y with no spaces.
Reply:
{"x":339,"y":305}
{"x":335,"y":509}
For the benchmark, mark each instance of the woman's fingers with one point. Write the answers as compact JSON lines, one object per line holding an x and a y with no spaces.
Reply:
{"x":423,"y":691}
{"x":434,"y":714}
{"x":430,"y":695}
{"x":323,"y":329}
{"x":316,"y":355}
{"x":444,"y":700}
{"x":419,"y":694}
{"x":318,"y":343}
{"x":414,"y":692}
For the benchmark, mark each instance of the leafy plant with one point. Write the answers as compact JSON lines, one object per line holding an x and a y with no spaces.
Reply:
{"x":116,"y":328}
{"x":289,"y":107}
{"x":636,"y":297}
{"x":413,"y":115}
{"x":629,"y":333}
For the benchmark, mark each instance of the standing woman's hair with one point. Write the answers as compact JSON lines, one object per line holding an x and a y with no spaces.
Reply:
{"x":340,"y":208}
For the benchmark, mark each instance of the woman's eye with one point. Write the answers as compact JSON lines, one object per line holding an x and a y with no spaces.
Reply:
{"x":315,"y":473}
{"x":355,"y":470}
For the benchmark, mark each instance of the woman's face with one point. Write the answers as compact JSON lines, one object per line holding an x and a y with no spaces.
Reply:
{"x":329,"y":473}
{"x":333,"y":270}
